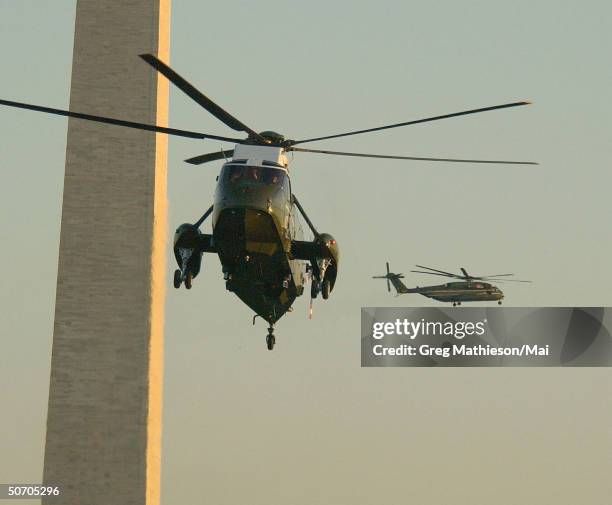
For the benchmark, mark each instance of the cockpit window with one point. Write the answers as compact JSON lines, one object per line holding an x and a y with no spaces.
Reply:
{"x":263,"y":175}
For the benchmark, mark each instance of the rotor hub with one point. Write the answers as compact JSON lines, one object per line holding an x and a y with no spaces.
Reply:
{"x":272,"y":137}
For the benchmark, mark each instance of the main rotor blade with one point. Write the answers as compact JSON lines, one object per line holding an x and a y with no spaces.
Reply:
{"x":196,"y":95}
{"x":504,"y":280}
{"x":389,"y":157}
{"x":436,"y":270}
{"x":467,"y":276}
{"x":453,"y":276}
{"x":118,"y":122}
{"x":491,"y":276}
{"x":416,"y":121}
{"x":205,"y":158}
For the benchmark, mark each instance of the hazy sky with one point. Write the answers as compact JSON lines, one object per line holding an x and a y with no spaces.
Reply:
{"x":305,"y":424}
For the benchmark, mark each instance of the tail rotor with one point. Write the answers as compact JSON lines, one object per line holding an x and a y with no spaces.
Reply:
{"x":388,"y":283}
{"x":389,"y":276}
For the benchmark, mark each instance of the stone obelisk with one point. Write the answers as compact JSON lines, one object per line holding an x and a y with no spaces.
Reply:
{"x":103,"y":440}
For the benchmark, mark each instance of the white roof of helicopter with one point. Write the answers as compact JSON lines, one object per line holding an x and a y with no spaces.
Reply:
{"x":257,"y":155}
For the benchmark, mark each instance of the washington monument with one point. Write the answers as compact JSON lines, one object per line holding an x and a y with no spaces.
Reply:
{"x":105,"y":400}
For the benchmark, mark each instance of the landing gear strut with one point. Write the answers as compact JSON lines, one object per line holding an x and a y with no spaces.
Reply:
{"x":315,"y":287}
{"x":184,"y":275}
{"x":270,"y":340}
{"x":325,"y":289}
{"x":188,"y":280}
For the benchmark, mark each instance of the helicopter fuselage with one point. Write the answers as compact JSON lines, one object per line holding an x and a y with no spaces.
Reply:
{"x":469,"y":289}
{"x":258,"y":236}
{"x":254,"y":223}
{"x":461,"y":292}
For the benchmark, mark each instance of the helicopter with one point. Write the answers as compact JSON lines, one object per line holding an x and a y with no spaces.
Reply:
{"x":470,"y":289}
{"x":257,"y":232}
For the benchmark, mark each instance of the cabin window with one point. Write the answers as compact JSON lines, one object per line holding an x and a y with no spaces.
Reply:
{"x":269,"y":176}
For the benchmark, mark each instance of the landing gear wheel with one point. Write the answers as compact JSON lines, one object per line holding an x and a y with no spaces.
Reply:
{"x":315,"y":287}
{"x":177,"y":279}
{"x":458,"y":303}
{"x":325,"y":289}
{"x":270,"y":341}
{"x":454,"y":304}
{"x":499,"y":303}
{"x":188,"y":280}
